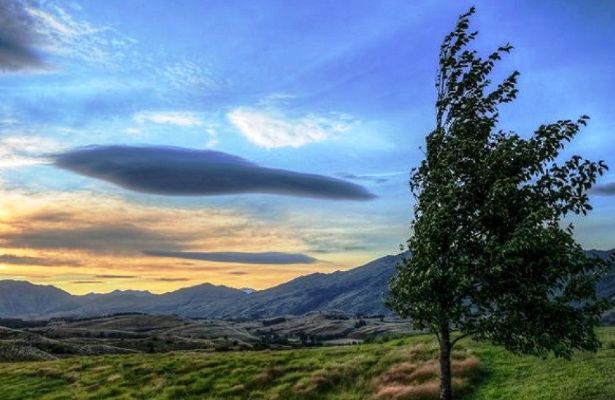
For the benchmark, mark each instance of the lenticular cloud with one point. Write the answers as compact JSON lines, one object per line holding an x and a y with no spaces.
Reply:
{"x":178,"y":171}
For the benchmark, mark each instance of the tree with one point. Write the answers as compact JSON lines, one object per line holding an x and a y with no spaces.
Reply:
{"x":490,"y":258}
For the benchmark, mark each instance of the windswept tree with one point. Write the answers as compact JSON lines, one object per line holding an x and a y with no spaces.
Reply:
{"x":490,"y":255}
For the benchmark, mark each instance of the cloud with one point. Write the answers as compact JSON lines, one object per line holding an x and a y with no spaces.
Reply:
{"x":53,"y":22}
{"x":110,"y":238}
{"x":182,"y":119}
{"x":33,"y":216}
{"x":162,"y":279}
{"x":67,"y":35}
{"x":270,"y":129}
{"x":19,"y":151}
{"x":90,"y":282}
{"x":116,"y":276}
{"x":188,"y":75}
{"x":65,"y":31}
{"x":177,"y":118}
{"x":367,"y":178}
{"x":376,"y":178}
{"x":19,"y":41}
{"x":177,"y":171}
{"x":108,"y":227}
{"x":45,"y":219}
{"x":607,"y":189}
{"x":236,"y":257}
{"x":275,"y":99}
{"x":38,"y":261}
{"x":345,"y":249}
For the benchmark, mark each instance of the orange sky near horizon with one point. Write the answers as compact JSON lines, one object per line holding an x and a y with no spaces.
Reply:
{"x":84,"y":243}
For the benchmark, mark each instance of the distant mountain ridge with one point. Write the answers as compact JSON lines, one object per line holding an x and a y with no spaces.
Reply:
{"x":360,"y":290}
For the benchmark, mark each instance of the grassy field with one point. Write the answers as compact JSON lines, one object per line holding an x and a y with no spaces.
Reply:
{"x":396,"y":369}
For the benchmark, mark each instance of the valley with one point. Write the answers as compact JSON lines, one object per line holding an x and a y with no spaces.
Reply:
{"x":140,"y":333}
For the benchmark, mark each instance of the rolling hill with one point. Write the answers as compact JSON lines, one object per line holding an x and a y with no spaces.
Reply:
{"x":401,"y":368}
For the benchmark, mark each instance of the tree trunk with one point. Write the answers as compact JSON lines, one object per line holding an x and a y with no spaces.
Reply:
{"x":446,"y":386}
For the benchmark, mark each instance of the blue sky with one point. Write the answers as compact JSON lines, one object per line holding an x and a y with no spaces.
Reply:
{"x":340,"y":89}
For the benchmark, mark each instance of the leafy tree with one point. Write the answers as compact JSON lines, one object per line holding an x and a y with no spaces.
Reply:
{"x":490,"y":258}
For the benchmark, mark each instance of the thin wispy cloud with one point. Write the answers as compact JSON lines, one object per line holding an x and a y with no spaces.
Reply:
{"x":376,"y":178}
{"x":269,"y":128}
{"x":346,"y":249}
{"x":37,"y":261}
{"x":24,"y":150}
{"x":69,"y":36}
{"x":181,"y":119}
{"x":236,"y":257}
{"x":189,"y":75}
{"x":115,"y":276}
{"x":163,"y":279}
{"x":177,"y":171}
{"x":275,"y":99}
{"x":32,"y":31}
{"x":67,"y":27}
{"x":177,"y":118}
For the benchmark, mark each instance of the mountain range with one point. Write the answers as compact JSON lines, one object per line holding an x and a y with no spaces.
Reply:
{"x":360,"y":290}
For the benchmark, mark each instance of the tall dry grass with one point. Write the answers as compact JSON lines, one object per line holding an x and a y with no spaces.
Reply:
{"x":420,"y":379}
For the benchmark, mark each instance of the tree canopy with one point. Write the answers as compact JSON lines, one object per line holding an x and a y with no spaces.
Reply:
{"x":490,"y":254}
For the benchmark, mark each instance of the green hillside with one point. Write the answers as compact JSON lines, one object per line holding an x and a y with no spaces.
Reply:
{"x":396,"y":369}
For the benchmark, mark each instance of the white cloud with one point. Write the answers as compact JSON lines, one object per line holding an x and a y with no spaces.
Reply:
{"x":132,"y":131}
{"x":19,"y":151}
{"x":212,"y":143}
{"x":178,"y":118}
{"x":65,"y":32}
{"x":184,"y":119}
{"x":190,"y":76}
{"x":51,"y":22}
{"x":69,"y":36}
{"x":269,"y":128}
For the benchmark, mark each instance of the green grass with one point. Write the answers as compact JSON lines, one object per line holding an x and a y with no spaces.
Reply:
{"x":352,"y":372}
{"x":586,"y":376}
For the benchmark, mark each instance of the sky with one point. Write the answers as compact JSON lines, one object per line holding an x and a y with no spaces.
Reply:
{"x":153,"y":145}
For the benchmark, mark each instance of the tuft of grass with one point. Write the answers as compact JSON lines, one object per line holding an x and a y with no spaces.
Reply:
{"x":420,"y":379}
{"x":423,"y":391}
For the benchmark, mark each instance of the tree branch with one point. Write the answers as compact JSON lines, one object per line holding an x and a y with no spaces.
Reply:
{"x":458,"y":338}
{"x":435,"y":331}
